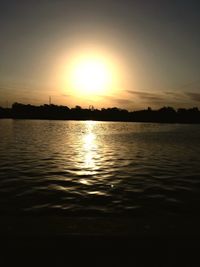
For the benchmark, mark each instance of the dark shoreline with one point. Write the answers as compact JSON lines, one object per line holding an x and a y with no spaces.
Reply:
{"x":54,"y":112}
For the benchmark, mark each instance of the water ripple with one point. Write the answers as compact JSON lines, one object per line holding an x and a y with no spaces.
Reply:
{"x":95,"y":168}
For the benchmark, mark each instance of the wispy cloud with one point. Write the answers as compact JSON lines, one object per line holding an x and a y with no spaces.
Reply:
{"x":146,"y":95}
{"x":120,"y":101}
{"x":176,"y":96}
{"x":166,"y":98}
{"x":194,"y":96}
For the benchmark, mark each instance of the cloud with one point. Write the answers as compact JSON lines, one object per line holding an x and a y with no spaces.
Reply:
{"x":147,"y":96}
{"x":167,"y":98}
{"x":124,"y":101}
{"x":194,"y":96}
{"x":173,"y":93}
{"x":120,"y":101}
{"x":176,"y":96}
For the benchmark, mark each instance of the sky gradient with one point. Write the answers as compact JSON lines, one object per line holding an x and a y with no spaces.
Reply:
{"x":153,"y":46}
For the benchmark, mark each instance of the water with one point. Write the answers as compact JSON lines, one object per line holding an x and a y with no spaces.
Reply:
{"x":79,"y":168}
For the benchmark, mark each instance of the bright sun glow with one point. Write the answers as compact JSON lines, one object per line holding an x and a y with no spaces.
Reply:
{"x":90,"y":77}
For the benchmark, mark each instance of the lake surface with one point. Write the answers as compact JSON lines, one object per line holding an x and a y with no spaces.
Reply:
{"x":86,"y":168}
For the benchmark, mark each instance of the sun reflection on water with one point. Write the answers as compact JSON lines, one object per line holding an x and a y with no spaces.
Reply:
{"x":89,"y":150}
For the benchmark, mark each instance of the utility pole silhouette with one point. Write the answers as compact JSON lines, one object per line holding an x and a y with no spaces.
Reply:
{"x":49,"y":100}
{"x":91,"y":107}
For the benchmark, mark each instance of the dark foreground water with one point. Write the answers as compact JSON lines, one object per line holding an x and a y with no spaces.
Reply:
{"x":85,"y":168}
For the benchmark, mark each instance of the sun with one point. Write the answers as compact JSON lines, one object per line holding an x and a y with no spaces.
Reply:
{"x":90,"y":76}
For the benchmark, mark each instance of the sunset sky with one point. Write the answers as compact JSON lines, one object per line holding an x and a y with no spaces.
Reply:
{"x":129,"y":54}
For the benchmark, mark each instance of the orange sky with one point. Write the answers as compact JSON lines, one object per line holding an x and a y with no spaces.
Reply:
{"x":150,"y":53}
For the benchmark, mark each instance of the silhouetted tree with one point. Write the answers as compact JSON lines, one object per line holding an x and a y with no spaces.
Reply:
{"x":52,"y":111}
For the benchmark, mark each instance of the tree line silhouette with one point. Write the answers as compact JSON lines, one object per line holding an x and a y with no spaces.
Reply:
{"x":164,"y":114}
